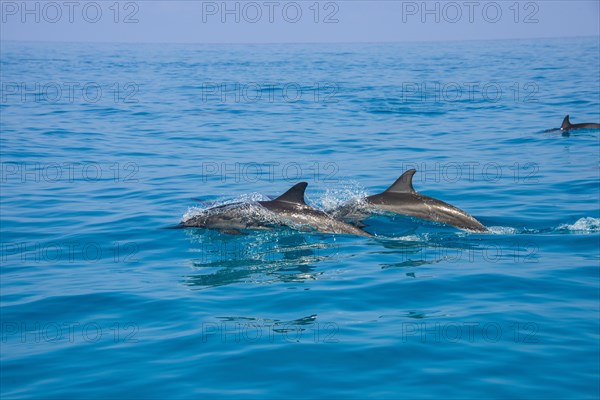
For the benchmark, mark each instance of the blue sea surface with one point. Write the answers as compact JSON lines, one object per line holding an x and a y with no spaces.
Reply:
{"x":104,"y":146}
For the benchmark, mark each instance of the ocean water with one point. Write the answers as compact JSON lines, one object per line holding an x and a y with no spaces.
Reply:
{"x":105,"y":145}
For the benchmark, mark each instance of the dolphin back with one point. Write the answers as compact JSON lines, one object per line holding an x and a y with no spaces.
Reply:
{"x":401,"y":198}
{"x":567,"y":125}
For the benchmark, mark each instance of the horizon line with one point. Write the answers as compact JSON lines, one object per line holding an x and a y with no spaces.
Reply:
{"x":294,"y":43}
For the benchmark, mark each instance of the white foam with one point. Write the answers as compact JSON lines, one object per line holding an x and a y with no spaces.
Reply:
{"x":249,"y":199}
{"x":191,"y":212}
{"x":586,"y":225}
{"x":424,"y":237}
{"x":502,"y":230}
{"x":413,"y":238}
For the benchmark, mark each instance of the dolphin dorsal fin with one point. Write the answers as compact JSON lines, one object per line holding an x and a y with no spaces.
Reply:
{"x":403,"y":184}
{"x":295,"y":194}
{"x":566,"y":123}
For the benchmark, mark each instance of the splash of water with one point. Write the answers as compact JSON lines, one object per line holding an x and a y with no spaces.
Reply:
{"x":583,"y":225}
{"x":350,"y":193}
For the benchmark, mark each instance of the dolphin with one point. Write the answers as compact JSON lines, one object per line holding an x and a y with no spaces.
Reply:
{"x":289,"y":209}
{"x":568,"y":126}
{"x":401,"y":198}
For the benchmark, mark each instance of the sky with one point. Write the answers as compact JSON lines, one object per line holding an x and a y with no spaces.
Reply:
{"x":193,"y":21}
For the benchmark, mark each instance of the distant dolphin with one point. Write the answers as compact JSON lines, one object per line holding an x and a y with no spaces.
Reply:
{"x":568,"y":126}
{"x":401,"y":198}
{"x":289,"y":209}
